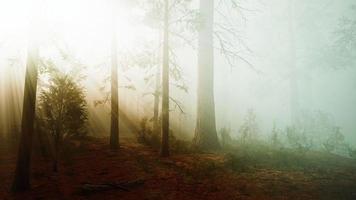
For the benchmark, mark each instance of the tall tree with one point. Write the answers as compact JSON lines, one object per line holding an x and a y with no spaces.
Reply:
{"x":156,"y":101}
{"x":344,"y":47}
{"x":22,"y":173}
{"x":165,"y":85}
{"x":205,"y":131}
{"x":294,"y":89}
{"x":180,"y":16}
{"x":114,"y":130}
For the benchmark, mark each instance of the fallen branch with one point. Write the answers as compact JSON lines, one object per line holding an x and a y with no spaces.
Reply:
{"x":124,"y":186}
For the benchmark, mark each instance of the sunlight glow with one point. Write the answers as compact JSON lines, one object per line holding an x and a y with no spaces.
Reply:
{"x":84,"y":25}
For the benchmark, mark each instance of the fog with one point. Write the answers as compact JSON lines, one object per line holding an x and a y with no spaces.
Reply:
{"x":274,"y":37}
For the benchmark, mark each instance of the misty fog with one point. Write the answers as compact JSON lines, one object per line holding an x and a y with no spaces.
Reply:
{"x":274,"y":36}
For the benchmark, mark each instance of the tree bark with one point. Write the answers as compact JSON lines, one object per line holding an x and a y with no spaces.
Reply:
{"x":22,"y":173}
{"x":165,"y":86}
{"x":156,"y":102}
{"x":57,"y":137}
{"x":114,"y":136}
{"x":205,"y":131}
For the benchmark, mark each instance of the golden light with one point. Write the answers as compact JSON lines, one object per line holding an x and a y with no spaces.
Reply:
{"x":84,"y":25}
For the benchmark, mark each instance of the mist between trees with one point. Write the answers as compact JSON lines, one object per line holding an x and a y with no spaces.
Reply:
{"x":213,"y":74}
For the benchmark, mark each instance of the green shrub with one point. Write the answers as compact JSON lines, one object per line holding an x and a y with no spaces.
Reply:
{"x":249,"y":129}
{"x":298,"y":139}
{"x":351,"y":151}
{"x":334,"y":140}
{"x":62,"y":111}
{"x":226,"y":139}
{"x":275,"y":137}
{"x":62,"y":107}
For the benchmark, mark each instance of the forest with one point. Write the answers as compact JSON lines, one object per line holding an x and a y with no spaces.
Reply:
{"x":178,"y":99}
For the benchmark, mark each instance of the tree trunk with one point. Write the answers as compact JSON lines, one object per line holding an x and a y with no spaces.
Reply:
{"x":22,"y":173}
{"x":43,"y":144}
{"x":56,"y":151}
{"x":156,"y":102}
{"x":2,"y":107}
{"x":165,"y":87}
{"x":114,"y":136}
{"x":205,"y":131}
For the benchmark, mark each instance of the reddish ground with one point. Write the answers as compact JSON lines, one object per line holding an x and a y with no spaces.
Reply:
{"x":185,"y":176}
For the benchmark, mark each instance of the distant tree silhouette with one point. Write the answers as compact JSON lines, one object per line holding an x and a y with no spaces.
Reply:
{"x":165,"y":85}
{"x":205,"y":131}
{"x":22,"y":173}
{"x":114,"y":130}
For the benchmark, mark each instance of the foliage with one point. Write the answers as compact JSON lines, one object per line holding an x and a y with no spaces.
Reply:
{"x":343,"y":53}
{"x":257,"y":155}
{"x":316,"y":122}
{"x":351,"y":151}
{"x":275,"y":138}
{"x":249,"y":129}
{"x":298,"y":139}
{"x":147,"y":137}
{"x":226,"y":139}
{"x":317,"y":125}
{"x":62,"y":107}
{"x":334,"y":140}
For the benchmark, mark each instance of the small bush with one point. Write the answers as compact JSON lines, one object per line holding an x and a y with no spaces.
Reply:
{"x":275,"y":137}
{"x":334,"y":140}
{"x":249,"y":129}
{"x":352,"y":152}
{"x":149,"y":138}
{"x":226,"y":139}
{"x":146,"y":136}
{"x":298,"y":139}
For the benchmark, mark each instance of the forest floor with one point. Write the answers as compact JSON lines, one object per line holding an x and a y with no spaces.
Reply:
{"x":181,"y":176}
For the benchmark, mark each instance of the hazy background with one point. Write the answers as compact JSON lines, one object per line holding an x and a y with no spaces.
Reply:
{"x":83,"y":29}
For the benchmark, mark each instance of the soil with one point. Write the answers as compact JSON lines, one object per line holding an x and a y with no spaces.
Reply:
{"x":182,"y":176}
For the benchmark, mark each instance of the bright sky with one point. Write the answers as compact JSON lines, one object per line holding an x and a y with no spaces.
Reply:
{"x":84,"y":25}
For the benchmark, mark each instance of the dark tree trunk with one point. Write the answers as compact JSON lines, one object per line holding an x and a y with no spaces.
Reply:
{"x":205,"y":132}
{"x":2,"y":114}
{"x":114,"y":136}
{"x":165,"y":87}
{"x":56,"y":151}
{"x":156,"y":102}
{"x":22,"y":173}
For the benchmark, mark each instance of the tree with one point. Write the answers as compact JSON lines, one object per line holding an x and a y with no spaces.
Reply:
{"x":249,"y":129}
{"x":62,"y":111}
{"x":114,"y":130}
{"x":344,"y":47}
{"x":165,"y":85}
{"x":293,"y":81}
{"x":156,"y":102}
{"x":179,"y":17}
{"x":205,"y":131}
{"x":153,"y":17}
{"x":22,"y":173}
